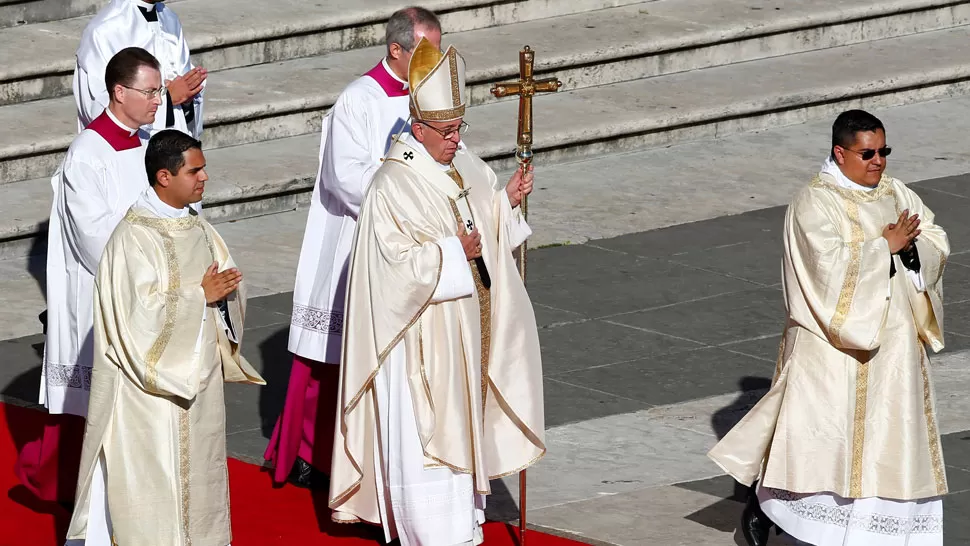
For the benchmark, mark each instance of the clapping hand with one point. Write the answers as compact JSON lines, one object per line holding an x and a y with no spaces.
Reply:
{"x":902,"y":233}
{"x":218,"y":285}
{"x":185,"y":87}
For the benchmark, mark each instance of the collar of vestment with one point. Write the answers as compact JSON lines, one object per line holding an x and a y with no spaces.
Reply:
{"x":148,"y":10}
{"x":140,"y":216}
{"x":827,"y":181}
{"x":391,"y":84}
{"x":431,"y":171}
{"x":120,"y":138}
{"x":151,"y":201}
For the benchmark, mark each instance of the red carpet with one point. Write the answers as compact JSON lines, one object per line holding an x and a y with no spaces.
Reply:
{"x":261,"y":515}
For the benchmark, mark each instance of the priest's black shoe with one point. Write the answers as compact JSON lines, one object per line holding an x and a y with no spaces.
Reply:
{"x":755,"y":525}
{"x":305,"y":476}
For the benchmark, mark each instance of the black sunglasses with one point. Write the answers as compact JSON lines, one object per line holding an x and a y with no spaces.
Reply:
{"x":868,"y":154}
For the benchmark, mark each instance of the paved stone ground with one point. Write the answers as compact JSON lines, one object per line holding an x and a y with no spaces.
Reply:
{"x":654,"y":344}
{"x":657,"y":334}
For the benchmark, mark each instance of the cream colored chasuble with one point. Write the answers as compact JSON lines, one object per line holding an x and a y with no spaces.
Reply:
{"x":479,"y":417}
{"x":157,"y":409}
{"x":851,"y":410}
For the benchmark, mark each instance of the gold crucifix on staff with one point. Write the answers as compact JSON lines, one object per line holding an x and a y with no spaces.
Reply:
{"x":525,"y":88}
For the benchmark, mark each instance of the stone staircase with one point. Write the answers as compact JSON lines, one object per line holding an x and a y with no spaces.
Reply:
{"x":636,"y":75}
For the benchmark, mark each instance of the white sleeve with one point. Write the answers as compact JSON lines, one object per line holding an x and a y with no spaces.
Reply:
{"x":456,"y":275}
{"x":347,"y":166}
{"x":90,"y":96}
{"x":87,"y":218}
{"x":185,"y":60}
{"x":516,"y":228}
{"x":917,"y":278}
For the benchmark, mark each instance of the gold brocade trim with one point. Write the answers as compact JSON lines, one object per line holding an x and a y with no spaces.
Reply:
{"x":184,"y":477}
{"x":522,"y":427}
{"x":521,"y":468}
{"x":936,"y":458}
{"x":455,"y":85}
{"x":439,"y":115}
{"x":343,"y":495}
{"x":424,"y":373}
{"x":171,"y":312}
{"x":163,"y":224}
{"x":383,"y":354}
{"x":484,"y":300}
{"x":851,"y":281}
{"x":781,"y":356}
{"x":859,"y":428}
{"x":884,"y":188}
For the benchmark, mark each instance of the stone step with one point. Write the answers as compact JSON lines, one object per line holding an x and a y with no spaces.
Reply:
{"x":277,"y":175}
{"x":19,"y":12}
{"x":249,"y":104}
{"x":229,"y":34}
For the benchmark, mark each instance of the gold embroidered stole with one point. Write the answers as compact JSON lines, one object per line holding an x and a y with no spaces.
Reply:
{"x":484,"y":296}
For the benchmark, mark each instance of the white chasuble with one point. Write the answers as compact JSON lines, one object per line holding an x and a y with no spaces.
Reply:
{"x":100,"y":178}
{"x":851,"y":410}
{"x":133,"y":23}
{"x":473,"y":403}
{"x":157,"y":412}
{"x":356,"y":134}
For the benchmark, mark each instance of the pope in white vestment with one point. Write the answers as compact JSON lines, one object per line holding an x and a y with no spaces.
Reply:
{"x":441,"y":382}
{"x":356,"y":134}
{"x":846,"y":442}
{"x":152,"y":26}
{"x":155,"y":444}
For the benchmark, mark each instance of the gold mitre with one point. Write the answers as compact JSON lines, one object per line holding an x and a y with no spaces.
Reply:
{"x":437,"y":83}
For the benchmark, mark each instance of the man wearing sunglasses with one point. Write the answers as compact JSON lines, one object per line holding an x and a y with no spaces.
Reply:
{"x":356,"y":133}
{"x":99,"y":179}
{"x":845,"y":448}
{"x":154,"y":27}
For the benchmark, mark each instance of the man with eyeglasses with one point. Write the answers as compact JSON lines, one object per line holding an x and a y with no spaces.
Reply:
{"x":845,"y":448}
{"x":101,"y":176}
{"x":154,"y":27}
{"x":441,"y":382}
{"x":356,"y":133}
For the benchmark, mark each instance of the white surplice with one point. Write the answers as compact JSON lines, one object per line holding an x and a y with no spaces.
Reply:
{"x":99,"y":179}
{"x":356,"y":134}
{"x":122,"y":24}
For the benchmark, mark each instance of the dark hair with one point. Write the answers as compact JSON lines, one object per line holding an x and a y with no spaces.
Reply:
{"x":124,"y":65}
{"x":164,"y":151}
{"x":851,"y":122}
{"x":400,"y":27}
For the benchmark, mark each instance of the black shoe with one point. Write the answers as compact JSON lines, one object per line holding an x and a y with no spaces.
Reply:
{"x":755,"y":525}
{"x":305,"y":476}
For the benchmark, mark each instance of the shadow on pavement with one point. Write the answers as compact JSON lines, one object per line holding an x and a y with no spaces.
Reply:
{"x":725,"y":514}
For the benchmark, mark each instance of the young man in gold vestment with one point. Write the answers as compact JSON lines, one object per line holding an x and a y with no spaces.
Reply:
{"x":168,"y":323}
{"x":845,"y":443}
